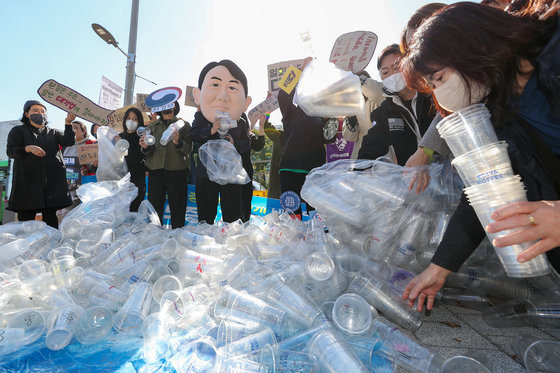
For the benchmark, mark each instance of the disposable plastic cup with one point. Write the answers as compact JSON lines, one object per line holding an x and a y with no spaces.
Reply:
{"x":250,"y":343}
{"x":404,"y":350}
{"x":94,"y":325}
{"x":287,"y":361}
{"x":334,"y":354}
{"x":468,"y":363}
{"x":523,"y":313}
{"x":31,"y":321}
{"x":164,"y":284}
{"x":349,"y":264}
{"x":296,"y":306}
{"x":238,"y":364}
{"x":352,"y":314}
{"x":537,"y":355}
{"x":61,"y":326}
{"x":176,"y":304}
{"x":11,"y":340}
{"x":199,"y":355}
{"x":299,"y":341}
{"x":107,"y":295}
{"x":130,"y":317}
{"x":229,"y":331}
{"x":320,"y":291}
{"x":484,"y":165}
{"x":319,"y":266}
{"x":385,"y":300}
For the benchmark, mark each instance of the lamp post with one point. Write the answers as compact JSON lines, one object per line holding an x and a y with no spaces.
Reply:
{"x":104,"y":34}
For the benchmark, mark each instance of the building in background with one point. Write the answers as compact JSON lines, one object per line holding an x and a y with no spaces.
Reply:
{"x":5,"y":170}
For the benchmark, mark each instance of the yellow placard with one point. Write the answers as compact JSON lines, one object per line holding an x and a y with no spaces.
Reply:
{"x":290,"y":79}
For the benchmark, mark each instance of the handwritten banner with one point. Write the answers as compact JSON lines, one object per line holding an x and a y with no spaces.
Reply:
{"x":87,"y":153}
{"x":110,"y":94}
{"x":277,"y":70}
{"x":265,"y":107}
{"x":117,"y":117}
{"x":189,"y":97}
{"x":141,"y":102}
{"x":71,"y":101}
{"x":353,"y":51}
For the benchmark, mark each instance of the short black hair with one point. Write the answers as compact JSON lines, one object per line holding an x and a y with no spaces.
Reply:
{"x":233,"y":69}
{"x":138,"y":114}
{"x":391,"y":49}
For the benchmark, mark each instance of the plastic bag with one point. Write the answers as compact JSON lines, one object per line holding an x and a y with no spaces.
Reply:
{"x":111,"y":153}
{"x":223,"y":163}
{"x":326,"y":91}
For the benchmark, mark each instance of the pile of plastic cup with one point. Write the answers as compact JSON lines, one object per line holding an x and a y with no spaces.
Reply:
{"x":484,"y":166}
{"x":537,"y":355}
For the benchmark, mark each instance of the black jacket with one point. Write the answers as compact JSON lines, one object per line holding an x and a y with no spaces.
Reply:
{"x":304,"y":147}
{"x":392,"y":126}
{"x":200,"y":134}
{"x":38,"y":182}
{"x":135,"y":158}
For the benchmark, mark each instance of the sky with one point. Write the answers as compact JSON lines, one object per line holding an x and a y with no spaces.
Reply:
{"x":45,"y":40}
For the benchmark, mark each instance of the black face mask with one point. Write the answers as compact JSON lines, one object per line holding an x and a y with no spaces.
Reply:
{"x":38,"y":119}
{"x":168,"y":111}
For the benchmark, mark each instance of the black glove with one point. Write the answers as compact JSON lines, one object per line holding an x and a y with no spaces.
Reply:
{"x":352,"y":123}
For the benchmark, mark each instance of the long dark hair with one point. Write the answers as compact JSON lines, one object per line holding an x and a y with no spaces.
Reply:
{"x":138,"y":114}
{"x":483,"y":44}
{"x":416,"y":20}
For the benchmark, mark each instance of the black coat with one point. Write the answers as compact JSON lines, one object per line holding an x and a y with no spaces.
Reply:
{"x":38,"y":182}
{"x":392,"y":127}
{"x":135,"y":158}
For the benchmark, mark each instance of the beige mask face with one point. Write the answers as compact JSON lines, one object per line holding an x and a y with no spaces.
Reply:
{"x":454,"y":94}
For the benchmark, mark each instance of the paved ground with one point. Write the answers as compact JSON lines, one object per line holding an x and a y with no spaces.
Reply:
{"x":455,"y":330}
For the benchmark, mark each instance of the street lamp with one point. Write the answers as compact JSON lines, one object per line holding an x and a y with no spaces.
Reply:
{"x":104,"y":34}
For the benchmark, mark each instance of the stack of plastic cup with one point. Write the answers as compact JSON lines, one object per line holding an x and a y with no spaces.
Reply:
{"x":483,"y":164}
{"x":334,"y":354}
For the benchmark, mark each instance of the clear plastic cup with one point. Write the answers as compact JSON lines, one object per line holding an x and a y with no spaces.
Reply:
{"x":107,"y":295}
{"x":334,"y":354}
{"x":31,"y":321}
{"x":250,"y":343}
{"x":176,"y":304}
{"x":522,"y":313}
{"x":130,"y":317}
{"x":352,"y":314}
{"x":199,"y":355}
{"x":230,"y":331}
{"x":61,"y":326}
{"x":164,"y":284}
{"x":349,"y":264}
{"x":11,"y":340}
{"x":296,"y":305}
{"x":385,"y":300}
{"x":373,"y":352}
{"x":484,"y":165}
{"x":278,"y":360}
{"x":94,"y":325}
{"x":537,"y":355}
{"x":464,"y":364}
{"x":319,"y":266}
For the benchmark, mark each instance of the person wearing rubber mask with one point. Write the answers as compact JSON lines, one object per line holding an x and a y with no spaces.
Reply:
{"x":402,"y":119}
{"x":135,"y":158}
{"x":222,"y":87}
{"x":39,"y":175}
{"x":470,"y":53}
{"x":168,"y":166}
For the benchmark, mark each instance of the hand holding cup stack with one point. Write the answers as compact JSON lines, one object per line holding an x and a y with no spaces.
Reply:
{"x":484,"y":166}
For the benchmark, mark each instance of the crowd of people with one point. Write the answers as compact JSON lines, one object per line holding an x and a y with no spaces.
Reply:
{"x":500,"y":53}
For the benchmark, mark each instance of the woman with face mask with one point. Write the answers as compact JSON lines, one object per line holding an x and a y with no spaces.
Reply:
{"x":39,"y":175}
{"x":469,"y":53}
{"x":135,"y":158}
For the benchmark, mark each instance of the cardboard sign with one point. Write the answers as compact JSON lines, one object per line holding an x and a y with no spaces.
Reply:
{"x":265,"y":107}
{"x":87,"y":153}
{"x":189,"y":97}
{"x":71,"y":101}
{"x":141,"y":102}
{"x":276,"y":72}
{"x":116,"y":118}
{"x":110,"y":94}
{"x":290,"y":79}
{"x":353,"y":51}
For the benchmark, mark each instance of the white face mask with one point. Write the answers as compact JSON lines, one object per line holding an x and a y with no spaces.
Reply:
{"x":454,"y":93}
{"x":395,"y":83}
{"x":131,"y":125}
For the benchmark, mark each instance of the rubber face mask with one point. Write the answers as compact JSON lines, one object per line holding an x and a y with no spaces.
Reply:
{"x":395,"y":83}
{"x":131,"y":125}
{"x":38,"y":119}
{"x":454,"y":93}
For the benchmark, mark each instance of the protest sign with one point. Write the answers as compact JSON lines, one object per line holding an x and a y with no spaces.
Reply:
{"x":277,"y":70}
{"x":265,"y":107}
{"x":71,"y":101}
{"x":117,"y":117}
{"x":87,"y":153}
{"x":141,"y":102}
{"x":353,"y":51}
{"x":110,"y":94}
{"x":189,"y":97}
{"x":290,"y":79}
{"x":163,"y":99}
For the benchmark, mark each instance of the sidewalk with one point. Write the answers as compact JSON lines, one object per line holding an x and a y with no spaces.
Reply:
{"x":452,"y":331}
